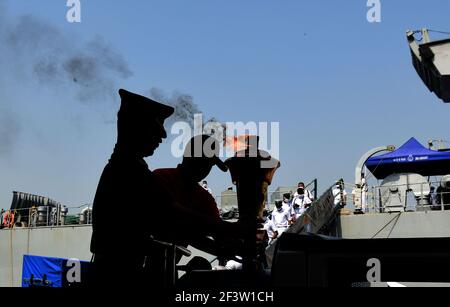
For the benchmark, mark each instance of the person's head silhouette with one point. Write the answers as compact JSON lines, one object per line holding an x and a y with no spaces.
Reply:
{"x":140,"y":124}
{"x":200,"y":155}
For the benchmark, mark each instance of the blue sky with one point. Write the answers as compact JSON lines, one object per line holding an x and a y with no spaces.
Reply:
{"x":337,"y":84}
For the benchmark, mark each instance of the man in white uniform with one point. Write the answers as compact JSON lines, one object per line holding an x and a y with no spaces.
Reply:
{"x":338,"y":192}
{"x":307,"y":192}
{"x":364,"y":191}
{"x":287,"y":201}
{"x":271,"y":230}
{"x":280,"y":217}
{"x":302,"y":199}
{"x":297,"y":210}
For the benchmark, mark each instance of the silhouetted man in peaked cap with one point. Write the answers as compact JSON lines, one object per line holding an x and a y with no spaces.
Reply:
{"x":129,"y":193}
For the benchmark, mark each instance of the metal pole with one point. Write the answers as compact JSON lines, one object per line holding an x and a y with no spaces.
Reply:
{"x":380,"y":204}
{"x":421,"y":195}
{"x":425,"y":35}
{"x":315,"y":189}
{"x":406,"y":200}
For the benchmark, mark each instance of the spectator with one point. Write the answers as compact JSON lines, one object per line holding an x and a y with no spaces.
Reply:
{"x":339,"y":193}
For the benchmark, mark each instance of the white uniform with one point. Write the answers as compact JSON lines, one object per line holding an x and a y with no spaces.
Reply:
{"x":337,"y":195}
{"x":233,"y":265}
{"x":307,"y":193}
{"x":360,"y":198}
{"x":297,"y":212}
{"x":230,"y":265}
{"x":364,"y":192}
{"x":281,"y":220}
{"x":286,"y":206}
{"x":302,"y":201}
{"x":270,"y":228}
{"x":356,"y":197}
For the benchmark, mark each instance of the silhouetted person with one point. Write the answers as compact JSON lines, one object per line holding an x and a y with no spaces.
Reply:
{"x":443,"y":196}
{"x":128,"y":190}
{"x":200,"y":156}
{"x":127,"y":255}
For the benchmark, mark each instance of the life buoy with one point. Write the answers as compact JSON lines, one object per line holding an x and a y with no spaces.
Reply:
{"x":9,"y":219}
{"x":5,"y":219}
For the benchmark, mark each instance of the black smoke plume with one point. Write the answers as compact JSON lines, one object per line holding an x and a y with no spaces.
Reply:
{"x":38,"y":48}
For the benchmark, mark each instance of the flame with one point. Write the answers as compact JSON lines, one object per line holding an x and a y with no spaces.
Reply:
{"x":238,"y":143}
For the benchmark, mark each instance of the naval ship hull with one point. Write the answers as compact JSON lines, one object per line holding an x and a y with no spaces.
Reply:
{"x":73,"y":241}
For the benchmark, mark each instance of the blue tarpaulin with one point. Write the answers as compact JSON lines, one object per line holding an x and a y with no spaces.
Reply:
{"x":412,"y":157}
{"x":49,"y":272}
{"x":39,"y":269}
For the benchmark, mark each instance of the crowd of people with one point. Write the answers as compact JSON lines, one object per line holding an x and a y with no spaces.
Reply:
{"x":287,"y":211}
{"x":294,"y":205}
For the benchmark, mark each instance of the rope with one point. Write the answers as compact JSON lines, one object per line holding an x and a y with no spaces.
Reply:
{"x":395,"y":217}
{"x":395,"y":224}
{"x":370,"y":175}
{"x":12,"y":256}
{"x":440,"y":32}
{"x":429,"y":30}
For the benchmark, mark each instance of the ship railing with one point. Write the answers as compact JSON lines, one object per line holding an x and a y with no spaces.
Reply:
{"x":412,"y":197}
{"x":30,"y":218}
{"x":51,"y":217}
{"x":228,"y":202}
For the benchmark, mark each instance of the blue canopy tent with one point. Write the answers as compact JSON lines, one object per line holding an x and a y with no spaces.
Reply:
{"x":412,"y":157}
